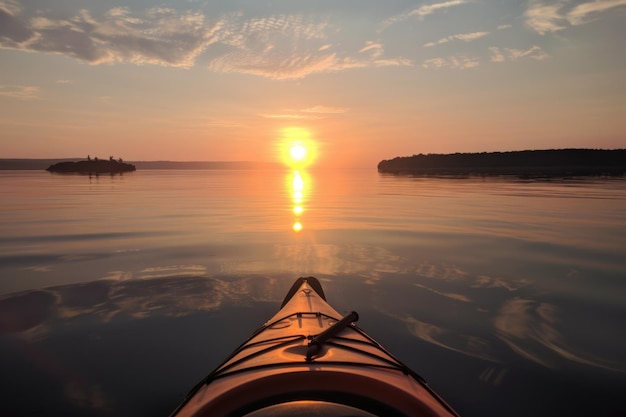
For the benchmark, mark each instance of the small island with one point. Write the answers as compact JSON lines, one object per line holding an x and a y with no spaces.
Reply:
{"x":531,"y":163}
{"x":92,"y":166}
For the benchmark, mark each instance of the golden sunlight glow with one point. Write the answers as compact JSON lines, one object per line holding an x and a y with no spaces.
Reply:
{"x":296,"y":147}
{"x":297,"y":226}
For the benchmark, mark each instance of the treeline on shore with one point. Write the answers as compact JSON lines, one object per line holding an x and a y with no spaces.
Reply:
{"x":551,"y":162}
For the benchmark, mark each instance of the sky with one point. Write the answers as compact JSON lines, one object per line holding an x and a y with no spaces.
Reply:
{"x":359,"y":80}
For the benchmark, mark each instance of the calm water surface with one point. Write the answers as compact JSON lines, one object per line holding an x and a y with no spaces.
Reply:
{"x":119,"y":293}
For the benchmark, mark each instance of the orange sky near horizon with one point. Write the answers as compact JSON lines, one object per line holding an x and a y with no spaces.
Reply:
{"x":199,"y":82}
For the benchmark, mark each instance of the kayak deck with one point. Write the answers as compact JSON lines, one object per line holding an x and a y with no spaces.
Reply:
{"x":308,"y":356}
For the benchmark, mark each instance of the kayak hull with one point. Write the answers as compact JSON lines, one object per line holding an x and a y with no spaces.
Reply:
{"x":306,"y":352}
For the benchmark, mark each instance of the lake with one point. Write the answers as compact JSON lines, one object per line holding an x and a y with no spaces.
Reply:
{"x":119,"y":293}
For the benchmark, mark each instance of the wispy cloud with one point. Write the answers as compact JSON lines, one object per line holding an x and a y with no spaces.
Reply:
{"x":20,"y":92}
{"x":393,"y":62}
{"x":580,"y":14}
{"x":554,"y":16}
{"x":13,"y":30}
{"x":509,"y":54}
{"x":281,"y":46}
{"x":466,"y":37}
{"x":285,"y":68}
{"x":314,"y":112}
{"x":325,"y":110}
{"x":432,"y":8}
{"x":286,"y":116}
{"x":453,"y":62}
{"x":544,"y":18}
{"x":375,"y":49}
{"x":422,"y":11}
{"x":157,"y":36}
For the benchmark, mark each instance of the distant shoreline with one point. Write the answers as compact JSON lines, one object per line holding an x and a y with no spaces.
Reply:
{"x":42,"y":164}
{"x":531,"y":163}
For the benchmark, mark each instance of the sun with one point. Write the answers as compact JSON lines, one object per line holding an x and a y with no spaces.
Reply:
{"x":298,"y":152}
{"x":296,"y":147}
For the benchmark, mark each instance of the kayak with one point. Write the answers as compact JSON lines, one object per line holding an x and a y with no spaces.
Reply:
{"x":308,"y":360}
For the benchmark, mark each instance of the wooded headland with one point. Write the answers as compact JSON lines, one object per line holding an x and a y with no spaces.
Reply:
{"x":551,"y":162}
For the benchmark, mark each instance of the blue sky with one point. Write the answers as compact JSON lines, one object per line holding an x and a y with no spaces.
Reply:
{"x":207,"y":80}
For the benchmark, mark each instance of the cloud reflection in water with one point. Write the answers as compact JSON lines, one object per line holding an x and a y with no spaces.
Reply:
{"x":499,"y":319}
{"x":34,"y":313}
{"x":530,"y":328}
{"x":160,"y":326}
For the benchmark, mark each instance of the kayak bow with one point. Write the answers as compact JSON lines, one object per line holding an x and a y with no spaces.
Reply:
{"x":307,"y":360}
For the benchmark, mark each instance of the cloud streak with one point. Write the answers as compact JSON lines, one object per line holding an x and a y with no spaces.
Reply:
{"x":314,"y":112}
{"x":432,"y":8}
{"x":376,"y":50}
{"x":452,"y":62}
{"x":20,"y":92}
{"x":325,"y":110}
{"x":555,"y":16}
{"x":580,"y":14}
{"x":509,"y":54}
{"x":422,"y":11}
{"x":544,"y":18}
{"x":466,"y":37}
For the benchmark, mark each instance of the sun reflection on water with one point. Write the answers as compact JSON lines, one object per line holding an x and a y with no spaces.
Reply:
{"x":297,"y":190}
